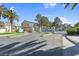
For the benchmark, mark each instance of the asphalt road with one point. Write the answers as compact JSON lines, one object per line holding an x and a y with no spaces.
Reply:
{"x":32,"y":45}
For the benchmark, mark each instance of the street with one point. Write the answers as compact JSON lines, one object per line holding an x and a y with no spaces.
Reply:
{"x":36,"y":44}
{"x":32,"y":44}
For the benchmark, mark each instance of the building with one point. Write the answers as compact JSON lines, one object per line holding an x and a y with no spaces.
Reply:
{"x":32,"y":27}
{"x":6,"y":27}
{"x":28,"y":26}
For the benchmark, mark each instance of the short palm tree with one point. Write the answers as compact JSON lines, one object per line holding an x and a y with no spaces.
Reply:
{"x":11,"y":16}
{"x":74,"y":5}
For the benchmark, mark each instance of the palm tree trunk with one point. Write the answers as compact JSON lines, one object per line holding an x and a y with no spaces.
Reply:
{"x":40,"y":28}
{"x":11,"y":22}
{"x":54,"y":28}
{"x":11,"y":27}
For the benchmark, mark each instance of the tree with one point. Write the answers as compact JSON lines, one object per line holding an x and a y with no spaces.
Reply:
{"x":77,"y":24}
{"x":44,"y":21}
{"x":54,"y":25}
{"x":50,"y":24}
{"x":11,"y":16}
{"x":74,"y":5}
{"x":57,"y":23}
{"x":2,"y":10}
{"x":38,"y":17}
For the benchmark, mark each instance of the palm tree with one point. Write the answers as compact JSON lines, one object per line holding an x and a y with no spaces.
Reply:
{"x":74,"y":5}
{"x":11,"y":16}
{"x":2,"y":10}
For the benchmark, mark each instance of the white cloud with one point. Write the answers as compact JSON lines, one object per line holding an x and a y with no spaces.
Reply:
{"x":13,"y":9}
{"x":65,"y":20}
{"x":47,"y":5}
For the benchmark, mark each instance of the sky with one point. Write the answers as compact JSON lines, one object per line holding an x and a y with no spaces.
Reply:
{"x":28,"y":11}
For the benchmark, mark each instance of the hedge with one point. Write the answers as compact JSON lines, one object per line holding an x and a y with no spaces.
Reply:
{"x":73,"y":31}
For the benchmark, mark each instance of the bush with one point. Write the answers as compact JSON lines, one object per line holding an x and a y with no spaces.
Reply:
{"x":78,"y":30}
{"x":72,"y":31}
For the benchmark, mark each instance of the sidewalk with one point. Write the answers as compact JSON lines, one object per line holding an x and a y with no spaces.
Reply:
{"x":66,"y":43}
{"x":70,"y":46}
{"x":74,"y":38}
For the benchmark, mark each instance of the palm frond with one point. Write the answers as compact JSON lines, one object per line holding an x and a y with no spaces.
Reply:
{"x":67,"y":5}
{"x":75,"y":4}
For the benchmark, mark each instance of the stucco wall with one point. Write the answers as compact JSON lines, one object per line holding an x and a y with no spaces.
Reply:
{"x":2,"y":30}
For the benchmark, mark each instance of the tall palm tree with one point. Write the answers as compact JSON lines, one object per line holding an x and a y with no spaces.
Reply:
{"x":2,"y":10}
{"x":74,"y":5}
{"x":11,"y":16}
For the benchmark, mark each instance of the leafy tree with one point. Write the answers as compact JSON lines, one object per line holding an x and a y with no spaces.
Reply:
{"x":50,"y":24}
{"x":38,"y":17}
{"x":77,"y":24}
{"x":44,"y":21}
{"x":57,"y":23}
{"x":54,"y":25}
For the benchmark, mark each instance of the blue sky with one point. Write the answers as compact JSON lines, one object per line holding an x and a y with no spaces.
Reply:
{"x":28,"y":11}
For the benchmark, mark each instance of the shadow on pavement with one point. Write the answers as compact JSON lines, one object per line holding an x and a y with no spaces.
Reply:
{"x":7,"y":51}
{"x":73,"y":50}
{"x":26,"y":53}
{"x":23,"y":46}
{"x":34,"y":50}
{"x":51,"y":52}
{"x":8,"y":46}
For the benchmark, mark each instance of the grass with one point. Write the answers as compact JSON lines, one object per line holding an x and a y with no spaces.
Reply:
{"x":7,"y":33}
{"x":16,"y":35}
{"x":1,"y":44}
{"x":12,"y":34}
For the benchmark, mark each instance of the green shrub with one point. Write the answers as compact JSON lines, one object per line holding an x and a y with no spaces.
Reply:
{"x":78,"y":30}
{"x":72,"y":31}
